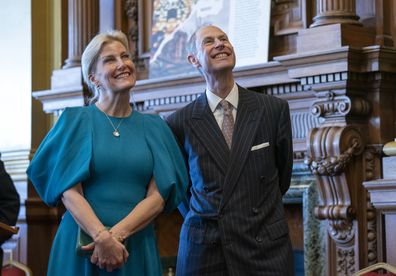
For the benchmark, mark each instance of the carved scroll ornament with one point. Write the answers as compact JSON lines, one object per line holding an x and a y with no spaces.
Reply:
{"x":321,"y":162}
{"x":331,"y":151}
{"x":332,"y":105}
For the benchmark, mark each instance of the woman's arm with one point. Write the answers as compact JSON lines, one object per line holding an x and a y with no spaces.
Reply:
{"x":144,"y":212}
{"x":108,"y":252}
{"x":74,"y":201}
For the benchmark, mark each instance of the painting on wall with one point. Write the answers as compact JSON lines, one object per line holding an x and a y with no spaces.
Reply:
{"x":174,"y":21}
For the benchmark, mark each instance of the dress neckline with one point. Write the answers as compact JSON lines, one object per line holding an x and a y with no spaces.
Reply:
{"x":113,"y":117}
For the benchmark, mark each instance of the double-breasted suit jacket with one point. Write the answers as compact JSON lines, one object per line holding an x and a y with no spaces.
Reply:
{"x":235,"y":216}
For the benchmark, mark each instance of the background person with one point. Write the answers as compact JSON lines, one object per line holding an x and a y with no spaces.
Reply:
{"x":9,"y":204}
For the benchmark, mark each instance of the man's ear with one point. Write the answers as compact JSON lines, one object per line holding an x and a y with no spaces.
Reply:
{"x":193,"y":60}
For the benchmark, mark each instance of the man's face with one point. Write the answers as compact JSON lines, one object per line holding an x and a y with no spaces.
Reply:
{"x":214,"y":51}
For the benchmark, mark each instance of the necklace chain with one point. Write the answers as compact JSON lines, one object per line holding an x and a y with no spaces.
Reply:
{"x":116,"y":133}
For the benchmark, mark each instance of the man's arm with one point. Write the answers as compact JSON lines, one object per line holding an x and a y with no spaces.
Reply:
{"x":175,"y":126}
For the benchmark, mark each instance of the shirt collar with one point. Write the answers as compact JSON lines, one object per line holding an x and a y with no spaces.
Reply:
{"x":214,"y":100}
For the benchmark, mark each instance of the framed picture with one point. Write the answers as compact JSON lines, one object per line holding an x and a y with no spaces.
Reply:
{"x":247,"y":23}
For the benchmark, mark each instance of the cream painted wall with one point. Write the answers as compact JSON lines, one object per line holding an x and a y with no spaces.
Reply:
{"x":15,"y":75}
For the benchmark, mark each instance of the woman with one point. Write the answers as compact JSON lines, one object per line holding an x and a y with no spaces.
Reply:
{"x":112,"y":167}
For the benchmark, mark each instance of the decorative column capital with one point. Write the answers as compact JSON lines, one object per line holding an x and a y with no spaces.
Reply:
{"x":335,"y":12}
{"x":333,"y":107}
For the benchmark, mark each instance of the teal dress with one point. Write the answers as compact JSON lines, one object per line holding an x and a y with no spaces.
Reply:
{"x":114,"y":172}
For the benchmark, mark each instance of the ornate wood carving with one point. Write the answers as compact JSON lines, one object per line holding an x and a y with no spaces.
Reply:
{"x":372,"y":160}
{"x":331,"y":105}
{"x":131,"y":10}
{"x":332,"y":151}
{"x":134,"y":18}
{"x":346,"y":261}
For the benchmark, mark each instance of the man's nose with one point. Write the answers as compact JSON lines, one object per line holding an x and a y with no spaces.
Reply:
{"x":219,"y":43}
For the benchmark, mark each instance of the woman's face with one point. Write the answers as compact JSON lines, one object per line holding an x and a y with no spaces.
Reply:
{"x":115,"y":70}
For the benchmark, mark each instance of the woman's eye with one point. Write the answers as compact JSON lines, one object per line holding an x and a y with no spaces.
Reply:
{"x":126,"y":56}
{"x":108,"y":59}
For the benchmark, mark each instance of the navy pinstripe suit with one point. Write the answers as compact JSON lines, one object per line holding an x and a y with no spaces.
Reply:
{"x":235,"y":222}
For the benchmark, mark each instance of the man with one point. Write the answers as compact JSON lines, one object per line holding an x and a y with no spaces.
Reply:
{"x":235,"y":222}
{"x":9,"y":204}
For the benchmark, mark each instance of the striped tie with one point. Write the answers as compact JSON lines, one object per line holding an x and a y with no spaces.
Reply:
{"x":228,"y":122}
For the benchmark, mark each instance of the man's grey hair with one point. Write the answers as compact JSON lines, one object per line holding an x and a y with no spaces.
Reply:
{"x":192,"y":41}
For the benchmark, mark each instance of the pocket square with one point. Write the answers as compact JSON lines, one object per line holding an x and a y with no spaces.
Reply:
{"x":260,"y":146}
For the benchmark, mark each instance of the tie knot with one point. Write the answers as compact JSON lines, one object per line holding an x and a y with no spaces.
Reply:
{"x":227,"y":107}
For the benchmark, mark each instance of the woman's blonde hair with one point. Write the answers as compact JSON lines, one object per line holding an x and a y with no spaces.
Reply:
{"x":91,"y":53}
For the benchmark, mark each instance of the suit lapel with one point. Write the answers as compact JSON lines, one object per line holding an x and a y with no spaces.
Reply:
{"x":206,"y":129}
{"x":247,"y":122}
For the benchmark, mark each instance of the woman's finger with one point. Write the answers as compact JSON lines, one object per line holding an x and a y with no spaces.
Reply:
{"x":88,"y":247}
{"x":94,"y":258}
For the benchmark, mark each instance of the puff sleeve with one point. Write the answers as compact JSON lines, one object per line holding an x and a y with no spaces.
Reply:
{"x":169,"y":171}
{"x":63,"y":158}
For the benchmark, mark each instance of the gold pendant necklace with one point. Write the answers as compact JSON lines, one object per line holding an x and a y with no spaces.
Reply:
{"x":116,"y":133}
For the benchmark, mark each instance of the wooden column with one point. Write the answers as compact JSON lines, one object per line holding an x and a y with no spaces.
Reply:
{"x":384,"y":22}
{"x":83,"y":25}
{"x":335,"y":25}
{"x":335,"y":11}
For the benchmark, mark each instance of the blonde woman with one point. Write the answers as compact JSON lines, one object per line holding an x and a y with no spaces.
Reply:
{"x":114,"y":169}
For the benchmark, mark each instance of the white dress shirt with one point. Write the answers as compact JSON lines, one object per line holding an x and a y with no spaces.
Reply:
{"x":214,"y":100}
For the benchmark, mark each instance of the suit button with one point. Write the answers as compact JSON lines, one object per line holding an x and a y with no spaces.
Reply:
{"x":262,"y":179}
{"x":255,"y":210}
{"x":206,"y":189}
{"x":259,"y":239}
{"x":214,"y":243}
